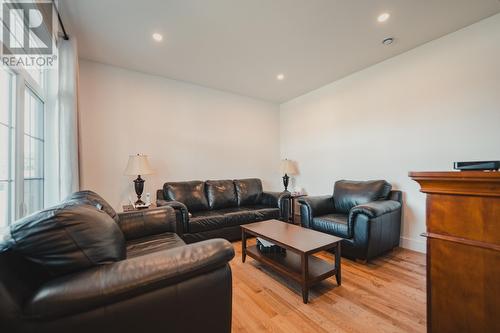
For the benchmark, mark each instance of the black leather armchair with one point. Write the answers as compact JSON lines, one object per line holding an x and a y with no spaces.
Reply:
{"x":366,"y":214}
{"x":64,"y":273}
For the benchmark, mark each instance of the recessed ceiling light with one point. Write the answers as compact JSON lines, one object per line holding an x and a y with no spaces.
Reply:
{"x":383,"y":17}
{"x":157,"y":37}
{"x":280,"y":77}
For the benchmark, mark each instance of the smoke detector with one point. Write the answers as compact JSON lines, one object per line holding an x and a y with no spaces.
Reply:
{"x":388,"y":41}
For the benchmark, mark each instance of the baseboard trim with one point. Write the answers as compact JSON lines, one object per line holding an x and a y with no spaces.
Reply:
{"x":413,"y":244}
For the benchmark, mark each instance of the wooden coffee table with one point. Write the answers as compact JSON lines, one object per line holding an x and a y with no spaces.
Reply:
{"x":298,"y":263}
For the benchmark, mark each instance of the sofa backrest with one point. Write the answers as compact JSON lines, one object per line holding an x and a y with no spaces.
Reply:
{"x":248,"y":191}
{"x":192,"y":194}
{"x":214,"y":194}
{"x":94,"y":199}
{"x":349,"y":193}
{"x":221,"y":194}
{"x":66,"y":238}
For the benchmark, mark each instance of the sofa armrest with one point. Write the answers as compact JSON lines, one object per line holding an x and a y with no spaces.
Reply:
{"x":147,"y":222}
{"x":107,"y":284}
{"x":396,"y":195}
{"x":376,"y":228}
{"x":277,"y":199}
{"x":274,"y":199}
{"x":182,"y":210}
{"x":311,"y":207}
{"x":375,"y":209}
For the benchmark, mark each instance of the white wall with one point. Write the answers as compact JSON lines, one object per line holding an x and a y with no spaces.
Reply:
{"x":421,"y":110}
{"x":189,"y":132}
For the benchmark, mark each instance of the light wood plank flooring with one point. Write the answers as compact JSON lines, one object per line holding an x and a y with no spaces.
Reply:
{"x":385,"y":295}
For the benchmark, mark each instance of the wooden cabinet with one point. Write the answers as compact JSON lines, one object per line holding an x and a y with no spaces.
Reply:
{"x":463,"y":250}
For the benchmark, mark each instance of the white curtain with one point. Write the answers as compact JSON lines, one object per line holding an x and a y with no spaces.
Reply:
{"x":67,"y":99}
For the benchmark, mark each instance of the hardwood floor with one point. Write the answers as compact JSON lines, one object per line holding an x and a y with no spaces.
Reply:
{"x":385,"y":295}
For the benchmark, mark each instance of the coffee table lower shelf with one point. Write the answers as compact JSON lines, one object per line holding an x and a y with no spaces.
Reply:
{"x":290,"y":265}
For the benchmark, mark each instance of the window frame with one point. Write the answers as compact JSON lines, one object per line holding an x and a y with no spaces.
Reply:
{"x":11,"y":126}
{"x":23,"y":81}
{"x":39,"y":140}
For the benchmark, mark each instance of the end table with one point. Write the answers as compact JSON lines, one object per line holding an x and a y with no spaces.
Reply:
{"x":293,"y":207}
{"x":131,"y":208}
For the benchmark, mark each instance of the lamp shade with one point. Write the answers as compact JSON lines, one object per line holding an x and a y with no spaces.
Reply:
{"x":289,"y":167}
{"x":138,"y":165}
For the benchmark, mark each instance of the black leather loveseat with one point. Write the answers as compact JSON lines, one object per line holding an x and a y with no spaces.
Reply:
{"x":80,"y":267}
{"x":217,"y":208}
{"x":366,"y":214}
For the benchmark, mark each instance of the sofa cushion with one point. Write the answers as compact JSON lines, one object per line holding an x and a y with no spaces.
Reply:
{"x":263,"y":212}
{"x":221,"y":194}
{"x":221,"y":218}
{"x":96,"y":200}
{"x":333,"y":224}
{"x":266,"y":213}
{"x":203,"y":222}
{"x":146,"y":245}
{"x":348,"y":193}
{"x":191,"y":194}
{"x":240,"y":217}
{"x":248,"y":191}
{"x":67,"y":238}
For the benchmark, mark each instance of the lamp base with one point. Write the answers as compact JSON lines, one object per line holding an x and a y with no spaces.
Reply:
{"x":139,"y":188}
{"x":139,"y":202}
{"x":141,"y":206}
{"x":285,"y":182}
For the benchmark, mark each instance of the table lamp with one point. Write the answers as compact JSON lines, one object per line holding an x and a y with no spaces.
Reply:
{"x":138,"y":165}
{"x":288,"y":168}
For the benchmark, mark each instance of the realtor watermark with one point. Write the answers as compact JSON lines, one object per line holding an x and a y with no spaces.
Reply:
{"x":28,"y":35}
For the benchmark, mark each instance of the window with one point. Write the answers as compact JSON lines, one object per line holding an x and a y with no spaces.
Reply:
{"x":7,"y":126}
{"x":33,"y":152}
{"x":23,"y":123}
{"x":22,"y":145}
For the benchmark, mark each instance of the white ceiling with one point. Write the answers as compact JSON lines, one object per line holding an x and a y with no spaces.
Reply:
{"x":241,"y":45}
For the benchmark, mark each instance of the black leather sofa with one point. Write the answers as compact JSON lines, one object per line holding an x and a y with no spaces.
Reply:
{"x":217,"y":208}
{"x":80,"y":267}
{"x":366,"y":214}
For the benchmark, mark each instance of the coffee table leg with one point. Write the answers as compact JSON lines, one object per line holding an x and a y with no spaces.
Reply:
{"x":305,"y":275}
{"x":337,"y":264}
{"x":243,"y":245}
